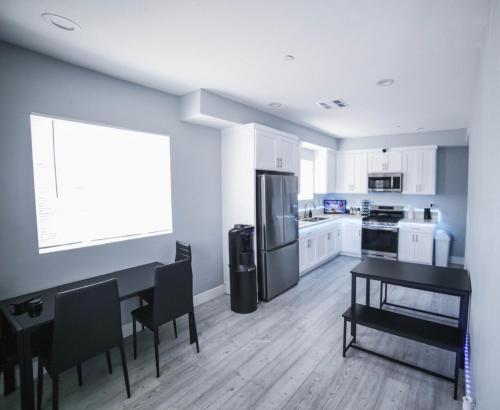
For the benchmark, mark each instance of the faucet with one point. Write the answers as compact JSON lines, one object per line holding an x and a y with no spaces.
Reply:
{"x":305,"y":207}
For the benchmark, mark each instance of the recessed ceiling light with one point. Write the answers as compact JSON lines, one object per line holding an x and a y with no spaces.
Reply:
{"x":60,"y":22}
{"x":420,"y":129}
{"x":385,"y":82}
{"x":289,"y":57}
{"x":275,"y":105}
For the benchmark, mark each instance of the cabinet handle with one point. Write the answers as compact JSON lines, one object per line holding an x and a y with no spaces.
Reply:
{"x":416,"y":238}
{"x":281,"y":162}
{"x":277,"y":162}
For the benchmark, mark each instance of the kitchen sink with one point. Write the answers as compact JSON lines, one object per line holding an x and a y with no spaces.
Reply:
{"x":314,"y":219}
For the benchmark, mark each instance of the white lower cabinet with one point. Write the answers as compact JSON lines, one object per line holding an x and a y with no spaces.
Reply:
{"x":321,"y":243}
{"x":416,"y":244}
{"x":351,"y":238}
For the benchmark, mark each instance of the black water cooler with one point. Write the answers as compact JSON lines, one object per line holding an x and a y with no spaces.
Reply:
{"x":242,"y":270}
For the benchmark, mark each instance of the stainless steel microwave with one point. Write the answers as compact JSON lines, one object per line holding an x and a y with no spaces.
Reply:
{"x":385,"y":182}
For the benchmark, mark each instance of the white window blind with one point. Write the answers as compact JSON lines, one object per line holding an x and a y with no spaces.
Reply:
{"x":96,"y":184}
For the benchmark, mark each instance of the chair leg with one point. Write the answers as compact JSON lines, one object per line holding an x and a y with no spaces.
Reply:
{"x":193,"y":334}
{"x":141,"y":302}
{"x":39,"y":386}
{"x":108,"y":359}
{"x":157,"y":359}
{"x":134,"y":337}
{"x":175,"y":328}
{"x":79,"y":372}
{"x":9,"y":380}
{"x":55,"y":393}
{"x":125,"y":370}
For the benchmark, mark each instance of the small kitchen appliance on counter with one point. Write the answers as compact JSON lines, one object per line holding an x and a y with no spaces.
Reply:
{"x":334,"y":206}
{"x":427,"y":214}
{"x":365,"y":207}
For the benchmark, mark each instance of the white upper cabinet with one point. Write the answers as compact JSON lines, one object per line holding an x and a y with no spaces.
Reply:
{"x":389,"y":161}
{"x":276,"y":151}
{"x":419,"y":171}
{"x":324,"y":171}
{"x":352,"y":172}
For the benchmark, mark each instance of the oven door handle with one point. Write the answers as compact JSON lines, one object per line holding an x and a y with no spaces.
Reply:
{"x":381,"y":228}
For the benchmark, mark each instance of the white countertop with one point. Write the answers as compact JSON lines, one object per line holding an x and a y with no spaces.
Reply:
{"x":330,"y":217}
{"x":333,"y":217}
{"x":419,"y":221}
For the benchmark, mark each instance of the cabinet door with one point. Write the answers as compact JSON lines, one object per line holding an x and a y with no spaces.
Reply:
{"x":393,"y":161}
{"x":321,"y":247}
{"x":311,"y":252}
{"x":411,"y":171}
{"x":341,"y":179}
{"x":303,"y":243}
{"x":351,"y":239}
{"x":266,"y":151}
{"x":406,"y":246}
{"x":286,"y":154}
{"x":360,"y":171}
{"x":424,"y":246}
{"x":338,"y":240}
{"x":376,"y":162}
{"x":330,"y":243}
{"x":427,"y":172}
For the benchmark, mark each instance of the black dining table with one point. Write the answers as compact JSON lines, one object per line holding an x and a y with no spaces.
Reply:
{"x":131,"y":282}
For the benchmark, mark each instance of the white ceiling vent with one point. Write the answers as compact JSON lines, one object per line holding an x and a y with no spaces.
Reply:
{"x":340,"y":103}
{"x":324,"y":105}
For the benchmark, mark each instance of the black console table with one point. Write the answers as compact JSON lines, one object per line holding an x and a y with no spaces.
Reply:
{"x":449,"y":281}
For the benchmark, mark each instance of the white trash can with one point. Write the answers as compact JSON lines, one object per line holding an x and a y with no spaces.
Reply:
{"x":443,"y":240}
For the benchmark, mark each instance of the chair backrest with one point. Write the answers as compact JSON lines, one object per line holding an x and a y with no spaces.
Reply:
{"x":182,"y":251}
{"x":87,"y":322}
{"x":173,"y":292}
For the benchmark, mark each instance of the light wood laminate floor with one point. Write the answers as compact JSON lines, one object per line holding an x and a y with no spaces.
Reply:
{"x":286,"y":355}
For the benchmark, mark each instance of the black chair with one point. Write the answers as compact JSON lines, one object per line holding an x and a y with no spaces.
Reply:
{"x":8,"y":361}
{"x":182,"y":252}
{"x":173,"y":297}
{"x":87,"y":322}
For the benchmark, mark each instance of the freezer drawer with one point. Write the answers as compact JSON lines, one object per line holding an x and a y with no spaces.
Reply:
{"x":278,"y":270}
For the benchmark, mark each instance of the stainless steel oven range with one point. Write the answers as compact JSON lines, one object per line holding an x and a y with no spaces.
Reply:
{"x":380,"y":232}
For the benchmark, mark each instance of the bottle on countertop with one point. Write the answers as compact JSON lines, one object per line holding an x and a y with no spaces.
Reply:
{"x":411,"y":214}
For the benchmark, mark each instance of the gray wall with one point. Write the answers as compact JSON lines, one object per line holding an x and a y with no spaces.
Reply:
{"x":35,"y":83}
{"x":450,"y":199}
{"x":218,"y":108}
{"x":446,"y":138}
{"x":483,"y":239}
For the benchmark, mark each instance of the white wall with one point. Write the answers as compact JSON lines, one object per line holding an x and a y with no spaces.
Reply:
{"x":483,"y":238}
{"x":207,"y":108}
{"x":446,"y":138}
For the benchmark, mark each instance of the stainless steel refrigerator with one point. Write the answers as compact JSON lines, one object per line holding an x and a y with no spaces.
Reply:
{"x":277,"y":234}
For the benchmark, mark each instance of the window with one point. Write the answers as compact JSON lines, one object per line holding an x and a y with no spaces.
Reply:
{"x":306,"y":186}
{"x":96,"y":184}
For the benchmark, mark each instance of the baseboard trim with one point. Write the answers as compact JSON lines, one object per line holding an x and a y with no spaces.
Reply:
{"x":198,"y":300}
{"x":459,"y":260}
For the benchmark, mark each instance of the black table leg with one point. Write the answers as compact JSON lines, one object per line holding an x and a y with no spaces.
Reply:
{"x":25,"y":369}
{"x":353,"y":303}
{"x":462,"y":324}
{"x":9,"y":376}
{"x":367,"y":292}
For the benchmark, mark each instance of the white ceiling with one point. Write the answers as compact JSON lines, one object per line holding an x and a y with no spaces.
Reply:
{"x":236,"y":48}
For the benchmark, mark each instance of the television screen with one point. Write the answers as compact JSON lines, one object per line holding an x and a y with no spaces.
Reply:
{"x":334,"y":206}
